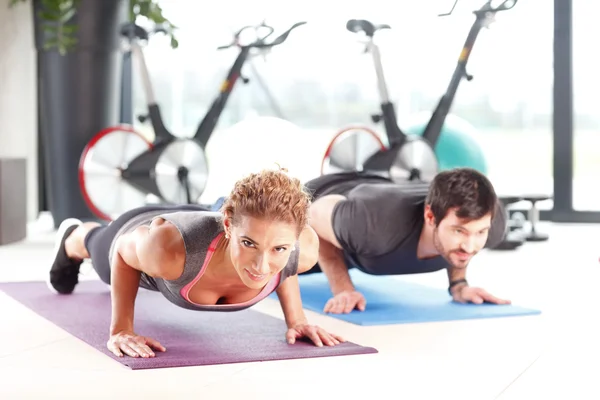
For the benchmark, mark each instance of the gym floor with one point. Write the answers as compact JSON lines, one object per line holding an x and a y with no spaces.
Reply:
{"x":552,"y":354}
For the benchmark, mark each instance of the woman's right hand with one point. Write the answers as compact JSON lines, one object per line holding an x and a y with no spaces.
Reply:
{"x":133,"y":345}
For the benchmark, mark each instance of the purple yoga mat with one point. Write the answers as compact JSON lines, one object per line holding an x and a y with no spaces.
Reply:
{"x":191,"y":338}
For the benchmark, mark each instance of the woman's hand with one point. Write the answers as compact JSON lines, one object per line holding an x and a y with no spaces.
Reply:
{"x":133,"y":345}
{"x":318,"y":335}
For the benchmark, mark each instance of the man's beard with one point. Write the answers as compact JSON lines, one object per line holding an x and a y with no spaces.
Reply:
{"x":447,"y":253}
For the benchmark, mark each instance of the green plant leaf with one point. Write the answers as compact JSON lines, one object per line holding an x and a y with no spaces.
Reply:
{"x":49,"y":16}
{"x":67,"y":15}
{"x":60,"y":35}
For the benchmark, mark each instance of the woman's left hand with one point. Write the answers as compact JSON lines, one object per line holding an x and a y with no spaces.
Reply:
{"x":317,"y":334}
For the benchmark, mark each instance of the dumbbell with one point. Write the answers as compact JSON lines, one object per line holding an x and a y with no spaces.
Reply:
{"x":534,"y":217}
{"x":514,"y":236}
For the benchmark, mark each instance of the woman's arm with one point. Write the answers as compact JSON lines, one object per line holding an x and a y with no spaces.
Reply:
{"x":159,"y":252}
{"x":291,"y":301}
{"x":156,"y":250}
{"x":289,"y":291}
{"x":123,"y":290}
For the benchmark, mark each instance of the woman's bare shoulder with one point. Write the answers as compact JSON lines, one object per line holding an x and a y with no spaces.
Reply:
{"x":309,"y":249}
{"x":160,"y":249}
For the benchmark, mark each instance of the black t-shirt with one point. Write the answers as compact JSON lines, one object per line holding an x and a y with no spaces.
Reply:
{"x":379,"y":226}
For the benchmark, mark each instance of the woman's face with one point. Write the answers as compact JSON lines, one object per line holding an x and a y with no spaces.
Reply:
{"x":259,"y":248}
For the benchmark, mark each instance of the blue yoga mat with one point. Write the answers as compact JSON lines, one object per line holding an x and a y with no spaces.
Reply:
{"x":392,"y":301}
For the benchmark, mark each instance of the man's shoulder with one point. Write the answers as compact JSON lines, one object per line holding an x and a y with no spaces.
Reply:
{"x":390,"y":207}
{"x":386,"y":193}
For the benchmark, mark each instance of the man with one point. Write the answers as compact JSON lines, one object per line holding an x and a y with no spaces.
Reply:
{"x":385,"y":228}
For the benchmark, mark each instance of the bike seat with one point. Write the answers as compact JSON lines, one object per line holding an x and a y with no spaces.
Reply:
{"x":131,"y":30}
{"x":368,"y":27}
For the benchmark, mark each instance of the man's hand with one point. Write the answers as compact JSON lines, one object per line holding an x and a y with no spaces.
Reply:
{"x":133,"y":345}
{"x":344,"y":302}
{"x":316,"y":334}
{"x":475,"y":295}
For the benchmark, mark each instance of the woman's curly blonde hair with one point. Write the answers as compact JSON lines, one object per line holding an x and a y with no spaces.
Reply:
{"x":269,"y":194}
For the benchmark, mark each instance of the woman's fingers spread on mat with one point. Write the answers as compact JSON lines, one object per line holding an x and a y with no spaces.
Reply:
{"x":330,"y":339}
{"x":338,"y":338}
{"x":140,"y":347}
{"x":313,"y":334}
{"x":128,"y":350}
{"x":317,"y":335}
{"x":291,"y":336}
{"x":114,"y":349}
{"x":154,"y":344}
{"x":327,"y":338}
{"x":309,"y":331}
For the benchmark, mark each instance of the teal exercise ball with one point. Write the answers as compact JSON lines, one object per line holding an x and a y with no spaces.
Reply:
{"x":457,"y":146}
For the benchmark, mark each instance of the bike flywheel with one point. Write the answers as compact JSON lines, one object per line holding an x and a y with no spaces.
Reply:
{"x":103,"y":159}
{"x":415,"y":161}
{"x":181,"y":172}
{"x":349,"y":149}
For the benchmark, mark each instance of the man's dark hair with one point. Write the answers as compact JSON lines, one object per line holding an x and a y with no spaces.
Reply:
{"x":466,"y":189}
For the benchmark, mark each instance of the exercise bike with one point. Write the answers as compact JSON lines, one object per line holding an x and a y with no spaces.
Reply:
{"x":404,"y":158}
{"x":119,"y":168}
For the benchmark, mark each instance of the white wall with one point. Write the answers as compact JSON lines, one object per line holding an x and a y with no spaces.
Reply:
{"x":18,"y":95}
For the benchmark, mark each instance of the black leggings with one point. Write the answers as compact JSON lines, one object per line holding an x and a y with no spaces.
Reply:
{"x":98,"y":241}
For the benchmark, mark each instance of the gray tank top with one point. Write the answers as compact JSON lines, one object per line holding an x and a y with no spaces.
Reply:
{"x":199,"y":230}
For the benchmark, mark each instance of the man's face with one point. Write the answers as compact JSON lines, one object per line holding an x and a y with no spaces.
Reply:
{"x":458,"y":240}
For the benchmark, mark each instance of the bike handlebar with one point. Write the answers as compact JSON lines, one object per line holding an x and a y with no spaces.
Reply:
{"x":487,"y":7}
{"x":132,"y":30}
{"x":503,"y":6}
{"x":260,"y":42}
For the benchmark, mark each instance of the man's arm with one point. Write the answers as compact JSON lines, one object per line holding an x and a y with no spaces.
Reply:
{"x":153,"y":250}
{"x":330,"y":258}
{"x":463,"y":293}
{"x":456,"y":279}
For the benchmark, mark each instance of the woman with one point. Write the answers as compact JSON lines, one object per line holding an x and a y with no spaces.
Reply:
{"x":199,"y":259}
